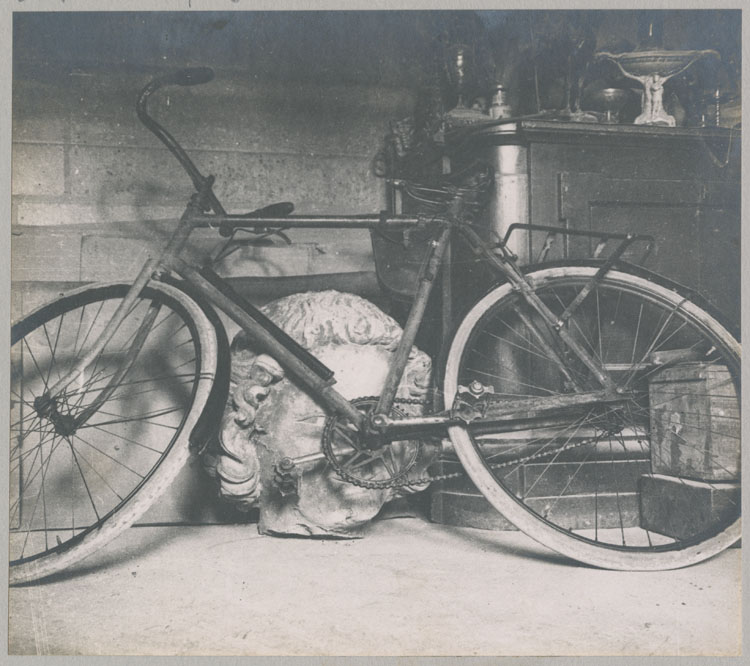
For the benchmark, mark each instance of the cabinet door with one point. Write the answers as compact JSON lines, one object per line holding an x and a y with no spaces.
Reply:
{"x":693,"y":224}
{"x":720,"y":260}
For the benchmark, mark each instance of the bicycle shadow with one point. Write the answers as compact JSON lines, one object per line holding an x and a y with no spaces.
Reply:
{"x":507,"y":543}
{"x":136,"y":543}
{"x":533,"y":551}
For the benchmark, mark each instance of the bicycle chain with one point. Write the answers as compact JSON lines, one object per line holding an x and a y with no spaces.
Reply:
{"x":400,"y":482}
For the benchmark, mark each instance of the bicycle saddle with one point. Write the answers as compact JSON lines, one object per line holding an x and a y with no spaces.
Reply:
{"x":280,"y":209}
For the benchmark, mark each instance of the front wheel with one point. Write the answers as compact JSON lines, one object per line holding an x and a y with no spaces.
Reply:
{"x":85,"y":464}
{"x":651,"y":482}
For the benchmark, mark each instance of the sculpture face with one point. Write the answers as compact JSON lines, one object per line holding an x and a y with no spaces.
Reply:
{"x":270,"y":417}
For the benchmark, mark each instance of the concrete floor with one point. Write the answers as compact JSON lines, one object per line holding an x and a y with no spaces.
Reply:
{"x":408,"y":588}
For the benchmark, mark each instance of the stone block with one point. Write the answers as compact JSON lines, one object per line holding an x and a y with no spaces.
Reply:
{"x":610,"y":510}
{"x":337,"y":250}
{"x":112,"y":175}
{"x":463,"y":484}
{"x":104,"y":259}
{"x":54,"y":256}
{"x":341,"y":262}
{"x":115,"y":258}
{"x":553,"y":479}
{"x":16,"y":303}
{"x":37,"y":169}
{"x":466,"y":510}
{"x":682,"y":508}
{"x":259,"y":261}
{"x":39,"y":128}
{"x":244,"y":181}
{"x":579,"y":512}
{"x":27,"y":296}
{"x":34,"y":213}
{"x":41,"y":111}
{"x":234,"y":115}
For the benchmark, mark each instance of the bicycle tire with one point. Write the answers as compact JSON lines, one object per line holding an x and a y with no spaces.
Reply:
{"x":174,"y":400}
{"x":536,"y":516}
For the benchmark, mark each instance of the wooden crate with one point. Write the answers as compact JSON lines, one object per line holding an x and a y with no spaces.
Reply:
{"x":695,"y":424}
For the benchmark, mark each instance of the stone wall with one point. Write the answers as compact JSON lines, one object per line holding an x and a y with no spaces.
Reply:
{"x":82,"y":159}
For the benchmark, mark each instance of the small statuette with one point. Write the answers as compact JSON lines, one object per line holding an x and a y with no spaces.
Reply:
{"x":500,"y":108}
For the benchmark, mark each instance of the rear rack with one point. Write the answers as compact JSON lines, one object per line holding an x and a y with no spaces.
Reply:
{"x":626,"y":239}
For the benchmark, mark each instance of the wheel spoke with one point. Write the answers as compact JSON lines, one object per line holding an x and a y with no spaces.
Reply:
{"x":112,"y":458}
{"x":390,"y":466}
{"x":83,"y":479}
{"x":53,"y":348}
{"x":43,"y":469}
{"x":362,"y":457}
{"x":127,"y":439}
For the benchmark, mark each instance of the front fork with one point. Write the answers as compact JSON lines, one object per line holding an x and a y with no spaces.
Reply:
{"x":46,"y":404}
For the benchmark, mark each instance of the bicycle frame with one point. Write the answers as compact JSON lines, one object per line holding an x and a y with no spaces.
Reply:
{"x":304,"y":366}
{"x":313,"y":374}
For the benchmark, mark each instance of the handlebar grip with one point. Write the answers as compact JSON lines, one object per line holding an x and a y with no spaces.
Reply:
{"x":191,"y":76}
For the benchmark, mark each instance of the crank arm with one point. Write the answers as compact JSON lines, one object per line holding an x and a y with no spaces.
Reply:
{"x":311,"y":458}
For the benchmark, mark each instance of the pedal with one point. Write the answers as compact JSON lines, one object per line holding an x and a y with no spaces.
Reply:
{"x":286,"y":476}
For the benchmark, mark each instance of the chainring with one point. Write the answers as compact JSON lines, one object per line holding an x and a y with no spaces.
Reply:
{"x":386,"y":466}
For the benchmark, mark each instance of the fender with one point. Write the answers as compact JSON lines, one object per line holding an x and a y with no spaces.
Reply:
{"x":686,"y":292}
{"x":210,"y":418}
{"x":639,"y":271}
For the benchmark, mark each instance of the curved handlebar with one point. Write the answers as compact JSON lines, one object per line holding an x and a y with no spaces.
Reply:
{"x":190,"y":76}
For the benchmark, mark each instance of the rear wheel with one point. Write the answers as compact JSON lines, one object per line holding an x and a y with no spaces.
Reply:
{"x":88,"y":462}
{"x":652,"y":482}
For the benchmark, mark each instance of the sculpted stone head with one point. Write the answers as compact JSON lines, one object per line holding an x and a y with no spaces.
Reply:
{"x":270,"y":416}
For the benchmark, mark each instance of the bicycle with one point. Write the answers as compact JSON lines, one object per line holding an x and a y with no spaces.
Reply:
{"x":112,"y":387}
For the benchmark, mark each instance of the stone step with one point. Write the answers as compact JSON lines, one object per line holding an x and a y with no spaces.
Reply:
{"x":598,"y":488}
{"x":544,"y":479}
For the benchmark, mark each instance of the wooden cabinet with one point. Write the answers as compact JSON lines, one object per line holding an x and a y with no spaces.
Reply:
{"x":681,"y":186}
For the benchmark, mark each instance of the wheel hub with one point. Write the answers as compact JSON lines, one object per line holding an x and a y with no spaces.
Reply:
{"x":46,"y":407}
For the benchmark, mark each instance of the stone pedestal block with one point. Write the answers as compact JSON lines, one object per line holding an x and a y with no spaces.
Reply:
{"x":681,"y":508}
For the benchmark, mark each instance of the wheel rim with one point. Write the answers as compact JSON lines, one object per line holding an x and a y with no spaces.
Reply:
{"x":67,"y":482}
{"x":537,"y":493}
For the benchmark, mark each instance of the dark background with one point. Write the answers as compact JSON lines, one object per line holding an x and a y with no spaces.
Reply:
{"x":387,"y":47}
